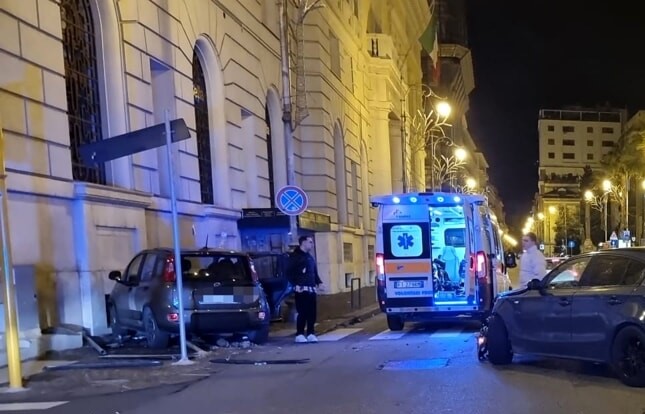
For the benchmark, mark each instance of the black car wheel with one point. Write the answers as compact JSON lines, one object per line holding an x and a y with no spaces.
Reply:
{"x":628,"y":356}
{"x":117,"y":329}
{"x":498,"y":346}
{"x":155,"y":338}
{"x":395,"y":323}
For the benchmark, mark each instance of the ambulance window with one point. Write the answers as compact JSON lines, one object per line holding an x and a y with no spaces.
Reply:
{"x":455,"y":237}
{"x":406,"y":240}
{"x":498,"y":249}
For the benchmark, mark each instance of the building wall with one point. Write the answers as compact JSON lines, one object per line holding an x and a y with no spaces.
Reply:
{"x":77,"y":232}
{"x":567,"y":146}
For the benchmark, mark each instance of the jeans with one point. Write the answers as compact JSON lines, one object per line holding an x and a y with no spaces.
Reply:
{"x":306,"y":308}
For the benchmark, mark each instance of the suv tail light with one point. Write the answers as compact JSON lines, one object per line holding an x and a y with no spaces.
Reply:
{"x":380,"y":270}
{"x":169,"y":275}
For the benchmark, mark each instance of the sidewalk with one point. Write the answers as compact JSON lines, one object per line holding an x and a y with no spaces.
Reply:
{"x":146,"y":370}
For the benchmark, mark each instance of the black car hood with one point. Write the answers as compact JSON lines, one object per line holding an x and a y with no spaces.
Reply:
{"x":512,"y":293}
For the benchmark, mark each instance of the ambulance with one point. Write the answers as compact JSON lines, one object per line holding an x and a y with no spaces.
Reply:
{"x":439,"y":257}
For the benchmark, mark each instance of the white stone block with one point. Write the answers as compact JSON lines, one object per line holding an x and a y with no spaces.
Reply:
{"x":25,"y":10}
{"x":50,"y":18}
{"x":55,"y":90}
{"x":128,"y":10}
{"x":25,"y":154}
{"x":134,"y":34}
{"x":133,"y":61}
{"x":9,"y":39}
{"x":148,"y":15}
{"x":42,"y":49}
{"x":139,"y":94}
{"x":47,"y":123}
{"x":21,"y":77}
{"x":59,"y":162}
{"x":160,"y":49}
{"x":12,"y":113}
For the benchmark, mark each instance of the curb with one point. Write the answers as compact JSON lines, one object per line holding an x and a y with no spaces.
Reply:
{"x":348,"y":320}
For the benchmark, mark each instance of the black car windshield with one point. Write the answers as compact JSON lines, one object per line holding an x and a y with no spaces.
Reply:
{"x":223,"y":268}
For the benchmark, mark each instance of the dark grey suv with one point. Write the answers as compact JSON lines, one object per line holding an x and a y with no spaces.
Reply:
{"x":221,"y":294}
{"x":590,"y":307}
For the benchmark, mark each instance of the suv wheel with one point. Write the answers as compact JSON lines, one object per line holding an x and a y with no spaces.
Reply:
{"x":497,"y":343}
{"x":155,"y":338}
{"x":628,"y":356}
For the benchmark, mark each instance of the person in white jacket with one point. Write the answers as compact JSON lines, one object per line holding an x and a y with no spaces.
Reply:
{"x":533,"y":263}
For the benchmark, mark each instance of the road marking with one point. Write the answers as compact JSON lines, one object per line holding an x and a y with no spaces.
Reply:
{"x":31,"y":406}
{"x":446,"y":333}
{"x":388,"y":335}
{"x":338,"y":334}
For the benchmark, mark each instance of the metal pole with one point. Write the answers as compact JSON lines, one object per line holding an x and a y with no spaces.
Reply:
{"x":286,"y":111}
{"x":10,"y":313}
{"x":176,"y":241}
{"x":404,"y":144}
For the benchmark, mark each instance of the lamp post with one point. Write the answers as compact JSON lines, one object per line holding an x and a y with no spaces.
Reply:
{"x":552,"y":211}
{"x":588,"y":244}
{"x":606,"y":186}
{"x":434,"y":116}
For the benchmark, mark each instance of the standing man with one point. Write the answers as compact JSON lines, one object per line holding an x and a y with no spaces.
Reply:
{"x":303,"y":275}
{"x":533,"y":263}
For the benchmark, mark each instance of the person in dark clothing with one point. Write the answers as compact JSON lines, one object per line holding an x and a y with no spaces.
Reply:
{"x":303,"y":275}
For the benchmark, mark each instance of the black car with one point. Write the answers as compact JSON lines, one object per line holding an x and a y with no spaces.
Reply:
{"x":221,"y":294}
{"x":590,"y":307}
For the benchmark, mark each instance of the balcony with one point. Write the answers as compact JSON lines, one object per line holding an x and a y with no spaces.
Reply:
{"x":381,"y":46}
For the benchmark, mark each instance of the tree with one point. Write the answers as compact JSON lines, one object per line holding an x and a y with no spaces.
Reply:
{"x":624,"y":163}
{"x":568,"y":228}
{"x":292,"y":30}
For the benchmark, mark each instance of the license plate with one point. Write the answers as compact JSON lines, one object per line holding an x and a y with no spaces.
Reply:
{"x":216,"y":299}
{"x":408,"y":284}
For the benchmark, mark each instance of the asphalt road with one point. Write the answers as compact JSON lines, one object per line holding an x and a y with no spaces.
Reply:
{"x":367,"y":370}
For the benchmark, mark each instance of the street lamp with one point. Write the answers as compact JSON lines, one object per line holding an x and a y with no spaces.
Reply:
{"x":552,"y":210}
{"x":461,"y":154}
{"x":443,"y":109}
{"x":471,"y":183}
{"x":606,"y":185}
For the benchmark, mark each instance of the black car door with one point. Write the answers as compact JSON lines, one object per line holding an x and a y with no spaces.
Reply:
{"x":602,"y":303}
{"x":271,"y":270}
{"x":542,"y":319}
{"x":120,"y":295}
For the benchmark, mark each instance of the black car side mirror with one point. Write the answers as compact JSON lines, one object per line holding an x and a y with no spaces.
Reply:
{"x":510,"y":260}
{"x":535,"y":284}
{"x":115,"y":275}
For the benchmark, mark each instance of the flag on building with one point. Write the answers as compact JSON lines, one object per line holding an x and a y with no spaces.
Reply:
{"x":430,"y":43}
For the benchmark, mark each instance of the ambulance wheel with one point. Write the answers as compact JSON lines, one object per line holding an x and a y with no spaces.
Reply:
{"x":498,"y":346}
{"x":395,"y":323}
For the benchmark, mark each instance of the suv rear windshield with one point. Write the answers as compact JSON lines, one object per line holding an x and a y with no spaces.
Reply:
{"x":223,"y":268}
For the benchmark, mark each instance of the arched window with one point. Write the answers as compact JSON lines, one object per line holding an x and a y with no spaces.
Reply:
{"x":203,"y":131}
{"x":82,"y":85}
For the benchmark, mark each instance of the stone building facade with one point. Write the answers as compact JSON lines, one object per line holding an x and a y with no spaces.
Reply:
{"x":78,"y":71}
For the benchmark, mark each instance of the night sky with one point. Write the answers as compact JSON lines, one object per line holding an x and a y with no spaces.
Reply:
{"x":534,"y":54}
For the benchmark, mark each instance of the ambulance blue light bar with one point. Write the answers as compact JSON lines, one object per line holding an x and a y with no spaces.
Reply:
{"x":436,"y":198}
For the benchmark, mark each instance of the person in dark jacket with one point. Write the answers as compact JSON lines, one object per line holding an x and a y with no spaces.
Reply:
{"x":303,"y":275}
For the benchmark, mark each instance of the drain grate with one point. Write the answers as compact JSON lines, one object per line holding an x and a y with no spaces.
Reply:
{"x":414,"y":364}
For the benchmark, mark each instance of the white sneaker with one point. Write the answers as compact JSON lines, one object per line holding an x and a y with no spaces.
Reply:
{"x":300,"y":339}
{"x":312,"y":338}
